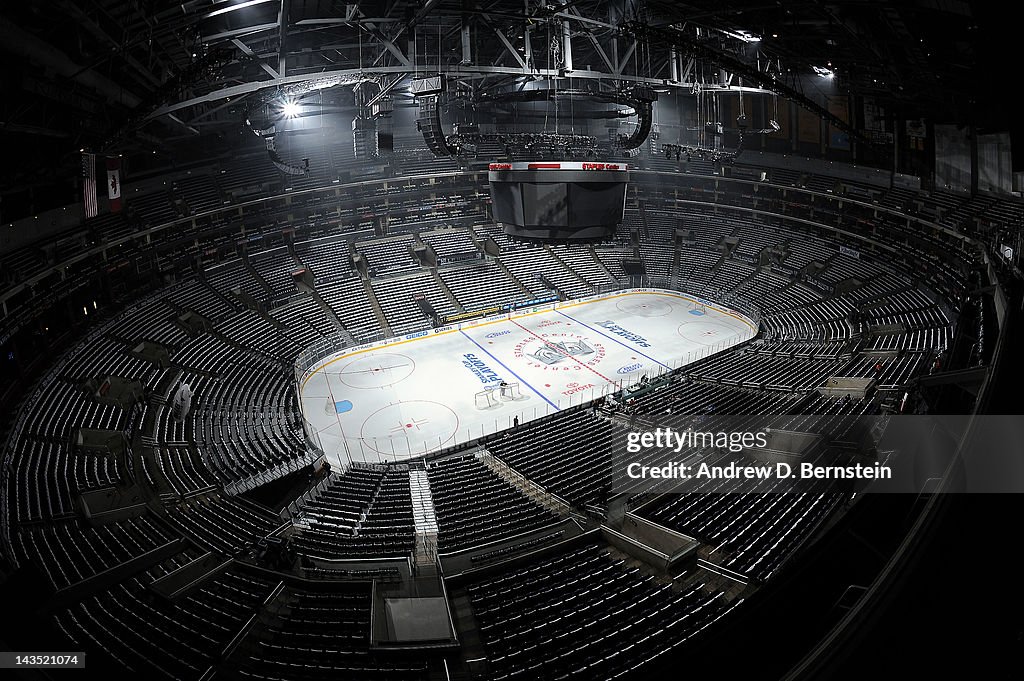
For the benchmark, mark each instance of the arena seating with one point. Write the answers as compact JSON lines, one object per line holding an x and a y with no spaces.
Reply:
{"x":327,"y":258}
{"x":474,"y":506}
{"x":752,"y":533}
{"x":367,"y":512}
{"x":306,"y":320}
{"x":529,"y":263}
{"x":568,"y":454}
{"x":324,"y":634}
{"x":478,"y":287}
{"x":168,"y":639}
{"x":71,"y":552}
{"x":348,"y":300}
{"x":580,"y":612}
{"x":228,"y":525}
{"x":397,"y":299}
{"x":388,"y":255}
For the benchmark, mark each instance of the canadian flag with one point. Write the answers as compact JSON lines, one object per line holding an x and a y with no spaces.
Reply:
{"x":114,"y":184}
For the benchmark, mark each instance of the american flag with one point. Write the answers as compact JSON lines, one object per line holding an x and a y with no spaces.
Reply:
{"x":89,"y":185}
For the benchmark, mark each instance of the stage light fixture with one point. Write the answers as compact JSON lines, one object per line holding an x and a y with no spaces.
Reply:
{"x":290,"y":109}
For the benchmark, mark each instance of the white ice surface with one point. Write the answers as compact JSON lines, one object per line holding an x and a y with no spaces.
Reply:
{"x":415,"y":394}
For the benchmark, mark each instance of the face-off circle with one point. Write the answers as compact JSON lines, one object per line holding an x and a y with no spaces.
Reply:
{"x":379,"y":370}
{"x":559,"y":352}
{"x":644,"y":307}
{"x":705,"y":332}
{"x":409,"y":426}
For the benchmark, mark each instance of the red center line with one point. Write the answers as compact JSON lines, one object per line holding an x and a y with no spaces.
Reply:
{"x":327,"y":379}
{"x":558,"y":350}
{"x":370,"y":371}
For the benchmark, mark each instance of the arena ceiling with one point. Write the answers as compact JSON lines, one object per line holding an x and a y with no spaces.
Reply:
{"x":150,"y":75}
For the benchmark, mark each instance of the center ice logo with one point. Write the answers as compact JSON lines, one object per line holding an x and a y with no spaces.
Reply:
{"x":559,"y":351}
{"x":553,"y":353}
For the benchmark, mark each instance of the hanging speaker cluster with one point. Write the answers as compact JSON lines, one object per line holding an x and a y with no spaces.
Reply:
{"x":382,"y":111}
{"x":428,"y":122}
{"x":642,"y":100}
{"x":280,"y":164}
{"x":364,"y":137}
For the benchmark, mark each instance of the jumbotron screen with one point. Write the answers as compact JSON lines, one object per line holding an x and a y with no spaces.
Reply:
{"x":558,"y":200}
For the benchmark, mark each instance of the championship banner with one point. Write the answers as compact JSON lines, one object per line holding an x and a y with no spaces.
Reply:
{"x":89,"y":185}
{"x":114,"y":184}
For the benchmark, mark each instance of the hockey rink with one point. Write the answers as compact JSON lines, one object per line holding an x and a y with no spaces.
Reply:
{"x":408,"y":396}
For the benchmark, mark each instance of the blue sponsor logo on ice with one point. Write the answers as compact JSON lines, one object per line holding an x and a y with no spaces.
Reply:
{"x":480,"y":369}
{"x":498,"y":334}
{"x":630,"y":368}
{"x":625,"y":333}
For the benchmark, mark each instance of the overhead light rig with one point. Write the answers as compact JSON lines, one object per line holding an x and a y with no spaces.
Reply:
{"x":466,"y":140}
{"x":703,"y":153}
{"x":536,"y":144}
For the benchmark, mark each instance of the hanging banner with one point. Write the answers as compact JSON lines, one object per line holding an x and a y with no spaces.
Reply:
{"x":114,"y":184}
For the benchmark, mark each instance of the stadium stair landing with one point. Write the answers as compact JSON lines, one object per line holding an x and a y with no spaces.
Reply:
{"x":378,"y":311}
{"x":424,"y":517}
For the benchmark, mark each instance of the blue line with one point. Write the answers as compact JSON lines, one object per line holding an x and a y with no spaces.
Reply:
{"x":612,"y":338}
{"x":541,"y":396}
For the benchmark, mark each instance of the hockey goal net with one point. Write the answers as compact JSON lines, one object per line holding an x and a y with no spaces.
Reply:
{"x":509,"y":391}
{"x":485,"y":399}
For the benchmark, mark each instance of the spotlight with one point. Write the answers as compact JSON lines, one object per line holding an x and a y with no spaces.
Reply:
{"x":290,"y":109}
